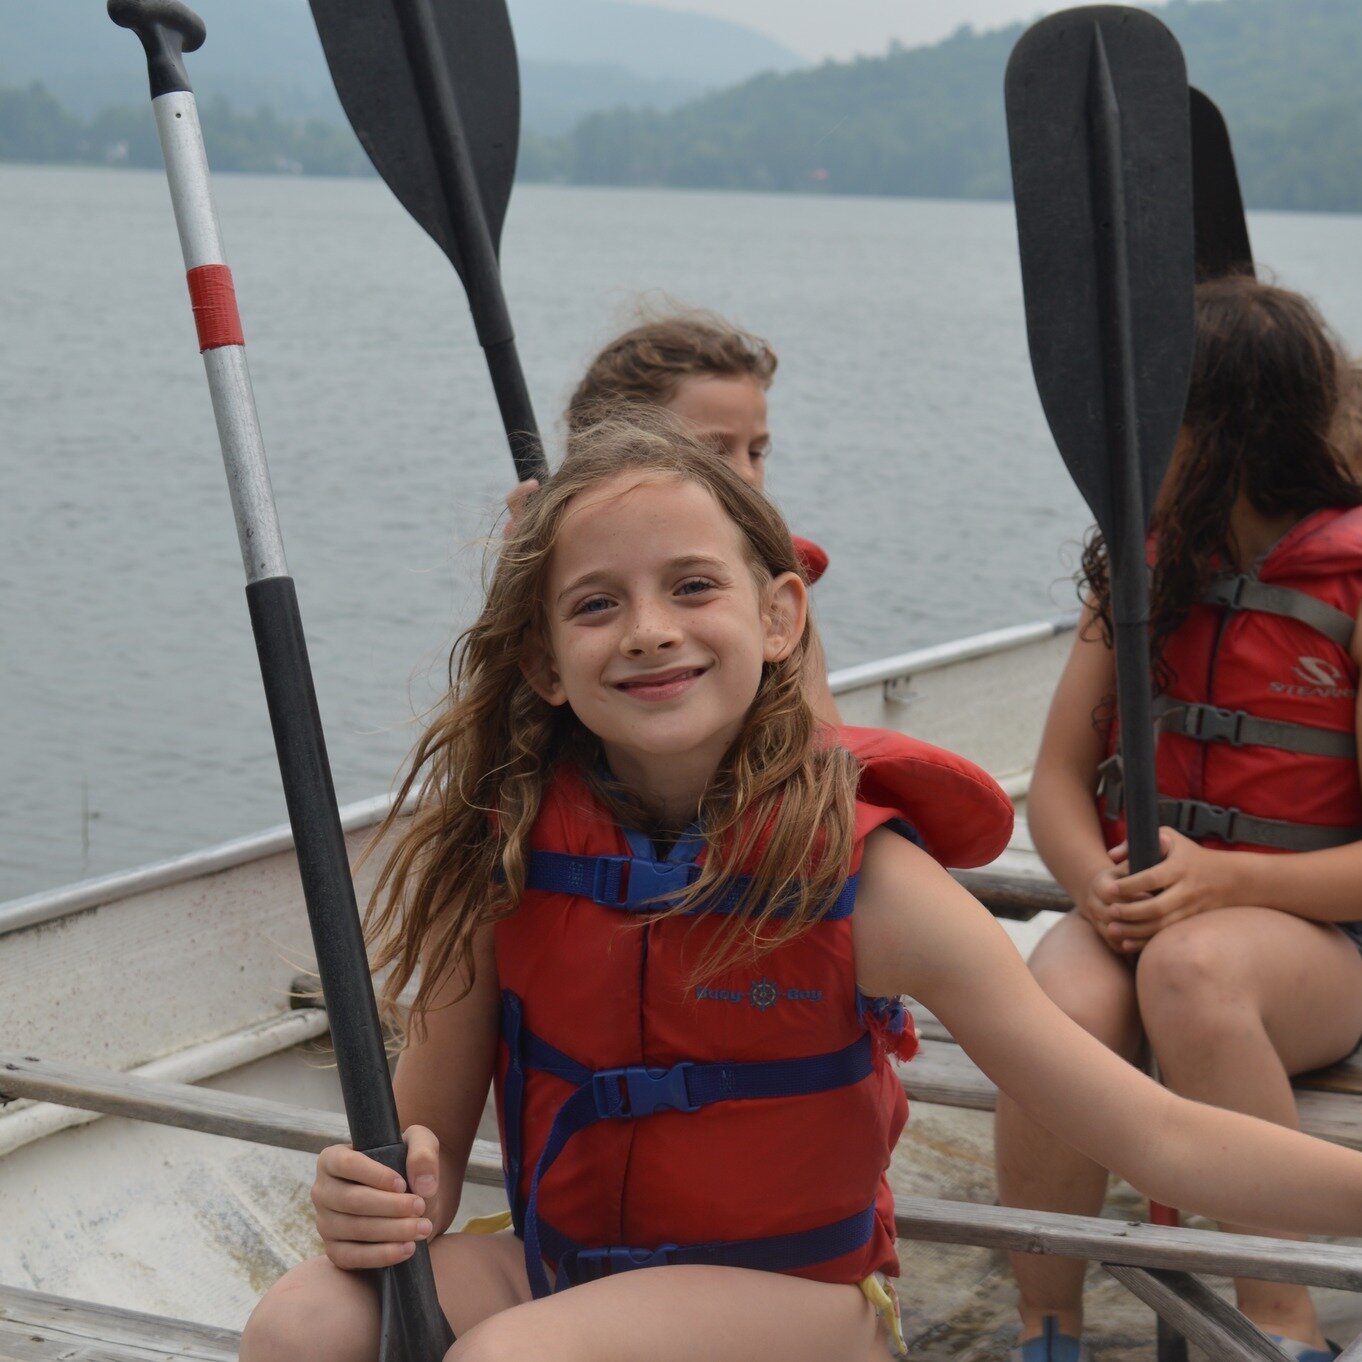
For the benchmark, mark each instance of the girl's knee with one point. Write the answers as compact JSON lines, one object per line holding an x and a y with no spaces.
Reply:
{"x":1103,"y":1011}
{"x":1190,"y":980}
{"x":313,"y":1311}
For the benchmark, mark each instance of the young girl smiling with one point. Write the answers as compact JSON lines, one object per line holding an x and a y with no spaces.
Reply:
{"x":671,"y":917}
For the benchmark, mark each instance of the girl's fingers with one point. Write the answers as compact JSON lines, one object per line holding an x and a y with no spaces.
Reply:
{"x":352,"y":1198}
{"x":423,"y":1159}
{"x":349,"y":1165}
{"x":352,"y":1257}
{"x":368,"y":1229}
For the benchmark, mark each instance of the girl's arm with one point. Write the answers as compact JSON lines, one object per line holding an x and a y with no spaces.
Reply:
{"x":367,"y":1216}
{"x":918,"y":932}
{"x":1061,"y":810}
{"x":443,"y":1078}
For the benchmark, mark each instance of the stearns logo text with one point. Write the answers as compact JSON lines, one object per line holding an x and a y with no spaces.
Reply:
{"x":761,"y":994}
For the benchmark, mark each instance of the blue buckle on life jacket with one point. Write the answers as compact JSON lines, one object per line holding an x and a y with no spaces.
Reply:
{"x":626,"y":1259}
{"x":630,"y":882}
{"x":626,"y":1094}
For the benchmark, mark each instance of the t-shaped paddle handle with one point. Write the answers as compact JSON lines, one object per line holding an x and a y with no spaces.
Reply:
{"x":168,"y":30}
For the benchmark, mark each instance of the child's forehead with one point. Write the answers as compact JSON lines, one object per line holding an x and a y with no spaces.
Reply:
{"x":634,"y":509}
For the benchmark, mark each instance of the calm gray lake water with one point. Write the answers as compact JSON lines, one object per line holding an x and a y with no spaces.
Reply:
{"x":908,"y":441}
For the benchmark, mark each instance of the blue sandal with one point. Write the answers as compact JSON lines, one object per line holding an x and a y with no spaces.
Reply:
{"x":1303,"y":1352}
{"x":1052,"y":1346}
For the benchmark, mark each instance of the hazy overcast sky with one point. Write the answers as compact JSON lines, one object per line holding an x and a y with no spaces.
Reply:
{"x":839,"y":28}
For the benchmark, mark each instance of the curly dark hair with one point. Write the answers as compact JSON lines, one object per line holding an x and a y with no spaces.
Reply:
{"x":1261,"y":418}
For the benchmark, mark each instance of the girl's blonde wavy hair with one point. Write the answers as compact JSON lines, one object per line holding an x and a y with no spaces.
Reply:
{"x":780,"y":807}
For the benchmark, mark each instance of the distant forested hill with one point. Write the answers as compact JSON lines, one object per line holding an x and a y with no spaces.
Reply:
{"x":577,"y":56}
{"x":926,"y":121}
{"x":929,"y":121}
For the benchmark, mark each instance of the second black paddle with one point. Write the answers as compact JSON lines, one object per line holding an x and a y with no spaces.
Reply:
{"x":1097,"y":114}
{"x":432,"y":90}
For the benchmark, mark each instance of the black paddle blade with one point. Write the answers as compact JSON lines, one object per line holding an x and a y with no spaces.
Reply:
{"x":1101,"y":170}
{"x":1222,"y":239}
{"x":381,"y":90}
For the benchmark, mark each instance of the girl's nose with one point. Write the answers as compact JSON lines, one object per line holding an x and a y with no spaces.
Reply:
{"x":650,"y":630}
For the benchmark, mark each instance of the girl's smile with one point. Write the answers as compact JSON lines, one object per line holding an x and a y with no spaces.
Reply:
{"x":658,"y":630}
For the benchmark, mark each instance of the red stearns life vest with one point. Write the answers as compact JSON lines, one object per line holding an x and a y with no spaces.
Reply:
{"x":812,"y":557}
{"x":1256,"y":731}
{"x":747,"y":1121}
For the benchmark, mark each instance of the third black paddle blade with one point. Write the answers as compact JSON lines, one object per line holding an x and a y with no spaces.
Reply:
{"x":380,"y":88}
{"x":1101,"y":170}
{"x":1222,"y":239}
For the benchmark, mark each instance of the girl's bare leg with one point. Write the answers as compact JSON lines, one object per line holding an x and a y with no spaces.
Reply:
{"x":684,"y":1314}
{"x":1235,"y":1002}
{"x":1035,"y":1171}
{"x":317,"y":1311}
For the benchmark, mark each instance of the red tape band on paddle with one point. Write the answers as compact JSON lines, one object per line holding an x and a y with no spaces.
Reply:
{"x":213,"y":298}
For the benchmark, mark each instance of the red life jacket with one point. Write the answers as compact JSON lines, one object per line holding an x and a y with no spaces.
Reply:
{"x":812,"y":557}
{"x":747,"y":1121}
{"x":1256,"y":731}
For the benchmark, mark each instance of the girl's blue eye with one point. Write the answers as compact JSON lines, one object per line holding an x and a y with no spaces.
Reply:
{"x":593,"y":605}
{"x":695,"y":586}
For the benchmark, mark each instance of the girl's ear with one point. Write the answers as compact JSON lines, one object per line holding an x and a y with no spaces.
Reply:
{"x":536,"y":666}
{"x":785,"y":610}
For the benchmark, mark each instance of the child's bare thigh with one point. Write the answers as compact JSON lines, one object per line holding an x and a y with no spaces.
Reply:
{"x":685,"y":1314}
{"x":319,"y":1311}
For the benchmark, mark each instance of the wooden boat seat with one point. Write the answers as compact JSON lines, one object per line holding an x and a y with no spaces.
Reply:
{"x":38,"y":1328}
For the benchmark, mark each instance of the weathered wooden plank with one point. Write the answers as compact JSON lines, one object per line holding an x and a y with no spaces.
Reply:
{"x":175,"y":1104}
{"x":181,"y":1104}
{"x":36,"y":1327}
{"x":1018,"y":897}
{"x":1344,"y":1077}
{"x":943,"y":1073}
{"x":1126,"y":1242}
{"x":1197,"y":1313}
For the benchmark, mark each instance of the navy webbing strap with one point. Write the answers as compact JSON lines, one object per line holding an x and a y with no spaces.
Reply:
{"x":1196,"y":818}
{"x":1239,"y":728}
{"x":637,"y":883}
{"x":1236,"y":592}
{"x":635,"y":1091}
{"x":777,"y":1253}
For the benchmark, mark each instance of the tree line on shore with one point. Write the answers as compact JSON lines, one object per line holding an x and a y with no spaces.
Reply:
{"x":925,"y":122}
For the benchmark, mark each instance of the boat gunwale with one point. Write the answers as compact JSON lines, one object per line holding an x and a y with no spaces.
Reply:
{"x":49,"y":905}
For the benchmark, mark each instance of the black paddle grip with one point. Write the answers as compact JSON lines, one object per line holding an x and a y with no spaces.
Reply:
{"x":323,"y":864}
{"x":168,"y":30}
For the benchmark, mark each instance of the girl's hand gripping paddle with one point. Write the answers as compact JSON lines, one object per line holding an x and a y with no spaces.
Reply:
{"x":1222,"y":239}
{"x":1097,"y":116}
{"x":414,"y":1330}
{"x":432,"y":89}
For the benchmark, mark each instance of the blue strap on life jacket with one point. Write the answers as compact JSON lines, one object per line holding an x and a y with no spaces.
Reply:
{"x":636,"y":1091}
{"x":637,"y":883}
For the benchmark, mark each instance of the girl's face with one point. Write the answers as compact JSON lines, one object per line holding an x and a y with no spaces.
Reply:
{"x":658,"y":630}
{"x":731,"y":411}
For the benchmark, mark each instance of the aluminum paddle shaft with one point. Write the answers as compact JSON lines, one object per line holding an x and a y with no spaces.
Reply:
{"x":414,"y":1329}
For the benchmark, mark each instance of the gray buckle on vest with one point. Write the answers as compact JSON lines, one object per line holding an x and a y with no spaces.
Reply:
{"x":1218,"y":725}
{"x":1196,"y":819}
{"x":1228,"y":591}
